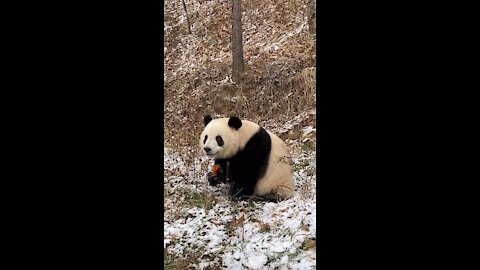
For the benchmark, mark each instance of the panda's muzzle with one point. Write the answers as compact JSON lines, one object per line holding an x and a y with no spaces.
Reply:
{"x":207,"y":149}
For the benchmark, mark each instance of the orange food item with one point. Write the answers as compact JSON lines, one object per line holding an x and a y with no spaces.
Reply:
{"x":215,"y":169}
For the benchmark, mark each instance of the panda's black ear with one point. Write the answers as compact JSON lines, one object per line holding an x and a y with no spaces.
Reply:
{"x":206,"y":119}
{"x":234,"y":122}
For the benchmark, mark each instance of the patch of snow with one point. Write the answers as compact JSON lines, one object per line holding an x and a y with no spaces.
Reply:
{"x":238,"y":235}
{"x":255,"y":260}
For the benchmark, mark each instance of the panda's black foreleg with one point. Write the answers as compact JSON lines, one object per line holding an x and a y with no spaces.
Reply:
{"x":213,"y":179}
{"x":220,"y":176}
{"x":241,"y":193}
{"x":222,"y":170}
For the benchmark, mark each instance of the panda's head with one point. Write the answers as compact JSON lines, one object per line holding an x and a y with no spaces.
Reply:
{"x":221,"y":138}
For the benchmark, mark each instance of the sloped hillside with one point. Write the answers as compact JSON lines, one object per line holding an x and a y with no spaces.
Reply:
{"x":203,"y":228}
{"x":279,"y":54}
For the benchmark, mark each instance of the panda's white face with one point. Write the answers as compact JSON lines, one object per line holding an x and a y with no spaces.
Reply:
{"x":218,"y":140}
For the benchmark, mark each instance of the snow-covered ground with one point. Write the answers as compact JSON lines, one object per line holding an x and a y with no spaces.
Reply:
{"x":200,"y":221}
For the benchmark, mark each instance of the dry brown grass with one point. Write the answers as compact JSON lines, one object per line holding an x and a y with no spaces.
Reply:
{"x":273,"y":99}
{"x":171,"y":262}
{"x":279,"y":79}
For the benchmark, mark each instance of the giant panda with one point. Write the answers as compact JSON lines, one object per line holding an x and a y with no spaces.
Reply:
{"x":256,"y":161}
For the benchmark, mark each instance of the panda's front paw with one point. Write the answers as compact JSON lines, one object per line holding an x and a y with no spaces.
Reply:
{"x":213,"y":179}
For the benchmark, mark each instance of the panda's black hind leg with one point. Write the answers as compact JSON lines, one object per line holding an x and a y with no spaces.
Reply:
{"x":239,"y":195}
{"x":273,"y":197}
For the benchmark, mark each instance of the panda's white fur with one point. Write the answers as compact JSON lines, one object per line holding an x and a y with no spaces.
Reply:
{"x":277,"y":178}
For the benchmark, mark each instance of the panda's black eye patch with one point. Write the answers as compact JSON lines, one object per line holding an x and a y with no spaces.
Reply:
{"x":206,"y":136}
{"x":219,"y":140}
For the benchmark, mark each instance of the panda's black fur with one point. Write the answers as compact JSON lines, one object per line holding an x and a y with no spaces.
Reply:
{"x":250,"y":163}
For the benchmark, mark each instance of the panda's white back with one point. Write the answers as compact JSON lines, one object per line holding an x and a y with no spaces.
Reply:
{"x":279,"y":174}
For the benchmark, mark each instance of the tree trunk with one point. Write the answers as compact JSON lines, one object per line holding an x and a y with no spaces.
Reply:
{"x":186,"y":14}
{"x":237,"y":41}
{"x":312,"y":16}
